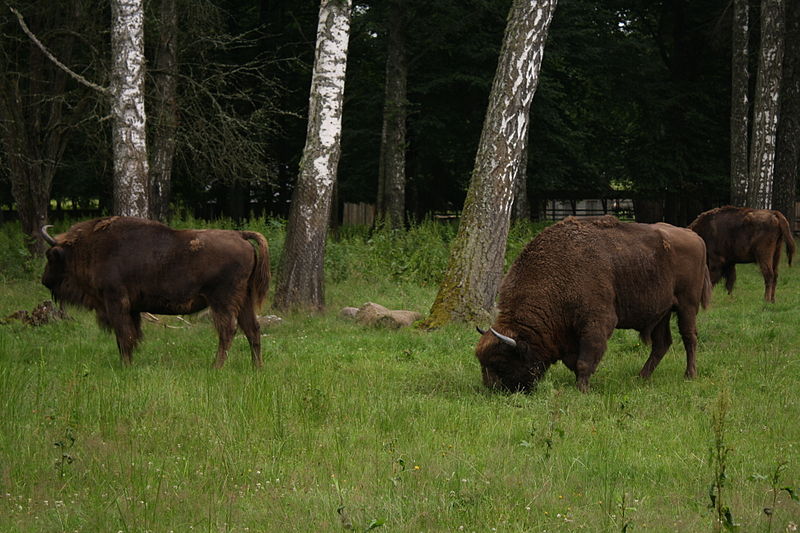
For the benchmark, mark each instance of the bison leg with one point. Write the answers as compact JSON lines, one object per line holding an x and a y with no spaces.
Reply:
{"x":225,"y":323}
{"x":687,"y":327}
{"x":729,"y":273}
{"x":591,"y":349}
{"x":661,"y":339}
{"x":765,"y":264}
{"x":126,"y":324}
{"x":249,"y":324}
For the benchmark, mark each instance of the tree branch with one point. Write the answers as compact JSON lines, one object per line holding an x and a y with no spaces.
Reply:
{"x":45,"y":51}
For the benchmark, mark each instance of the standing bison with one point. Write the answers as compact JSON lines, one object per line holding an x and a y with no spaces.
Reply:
{"x":744,"y":235}
{"x":120,"y":267}
{"x":577,"y":281}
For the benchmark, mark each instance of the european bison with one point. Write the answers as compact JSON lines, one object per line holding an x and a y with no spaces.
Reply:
{"x":576,"y":282}
{"x":744,"y":235}
{"x":120,"y":267}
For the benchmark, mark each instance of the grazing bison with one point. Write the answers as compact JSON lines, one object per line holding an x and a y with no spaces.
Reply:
{"x":576,"y":282}
{"x":744,"y":235}
{"x":123,"y":266}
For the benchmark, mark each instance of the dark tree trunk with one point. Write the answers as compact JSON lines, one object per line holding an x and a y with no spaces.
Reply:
{"x":787,"y":150}
{"x":301,"y":282}
{"x":165,"y":111}
{"x":766,"y":106}
{"x":740,"y":101}
{"x":473,"y":275}
{"x":392,"y":166}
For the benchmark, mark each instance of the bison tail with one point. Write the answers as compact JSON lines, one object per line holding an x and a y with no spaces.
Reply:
{"x":705,"y":296}
{"x":786,"y":233}
{"x":258,"y":284}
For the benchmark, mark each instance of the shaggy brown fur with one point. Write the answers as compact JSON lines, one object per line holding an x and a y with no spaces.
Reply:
{"x":120,"y":267}
{"x":577,"y":281}
{"x":744,"y":235}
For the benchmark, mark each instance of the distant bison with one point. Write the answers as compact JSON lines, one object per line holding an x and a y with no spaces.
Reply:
{"x":577,"y":281}
{"x":743,"y":235}
{"x":120,"y":267}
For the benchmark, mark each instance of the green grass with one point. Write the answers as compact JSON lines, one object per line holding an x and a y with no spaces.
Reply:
{"x":392,"y":429}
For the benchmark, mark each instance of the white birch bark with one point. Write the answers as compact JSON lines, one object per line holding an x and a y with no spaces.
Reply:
{"x":766,"y":106}
{"x":300,"y":278}
{"x":476,"y":261}
{"x":131,"y":184}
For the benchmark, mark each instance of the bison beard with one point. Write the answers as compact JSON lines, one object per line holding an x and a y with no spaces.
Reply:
{"x":579,"y":280}
{"x":120,"y":267}
{"x":744,"y":235}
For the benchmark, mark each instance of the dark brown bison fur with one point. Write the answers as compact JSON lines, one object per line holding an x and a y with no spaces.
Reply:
{"x":744,"y":235}
{"x":577,"y":281}
{"x":120,"y":267}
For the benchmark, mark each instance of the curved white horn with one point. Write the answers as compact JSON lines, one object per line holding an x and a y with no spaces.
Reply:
{"x":507,"y":340}
{"x":47,"y":238}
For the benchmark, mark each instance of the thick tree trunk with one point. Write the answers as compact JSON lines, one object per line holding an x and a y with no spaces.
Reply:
{"x":392,"y":167}
{"x":131,"y":182}
{"x":787,"y":151}
{"x":165,"y":111}
{"x":301,"y":281}
{"x":766,"y":106}
{"x":740,"y":101}
{"x":468,"y":290}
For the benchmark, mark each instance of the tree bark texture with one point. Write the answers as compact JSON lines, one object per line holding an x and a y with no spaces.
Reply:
{"x":787,"y":150}
{"x":131,"y":182}
{"x":521,"y":208}
{"x":35,"y":115}
{"x":392,"y":165}
{"x":164,"y":118}
{"x":300,"y":277}
{"x":766,"y":106}
{"x":475,"y":268}
{"x":740,"y":101}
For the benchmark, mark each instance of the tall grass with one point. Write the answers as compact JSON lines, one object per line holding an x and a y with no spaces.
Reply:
{"x":367,"y":428}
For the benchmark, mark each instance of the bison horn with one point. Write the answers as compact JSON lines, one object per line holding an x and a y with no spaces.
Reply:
{"x":481,"y":331}
{"x":507,"y":340}
{"x":47,"y":238}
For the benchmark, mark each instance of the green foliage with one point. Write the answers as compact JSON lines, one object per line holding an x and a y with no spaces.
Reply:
{"x":15,"y":260}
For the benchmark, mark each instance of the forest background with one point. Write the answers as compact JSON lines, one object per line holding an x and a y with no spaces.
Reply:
{"x":633,"y":100}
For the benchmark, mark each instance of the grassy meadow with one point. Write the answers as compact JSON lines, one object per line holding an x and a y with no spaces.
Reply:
{"x":348,"y":427}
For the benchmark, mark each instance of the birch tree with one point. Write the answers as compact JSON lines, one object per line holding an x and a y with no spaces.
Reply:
{"x":131,"y":185}
{"x":300,"y":276}
{"x":475,"y":266}
{"x":740,"y":101}
{"x":766,"y":106}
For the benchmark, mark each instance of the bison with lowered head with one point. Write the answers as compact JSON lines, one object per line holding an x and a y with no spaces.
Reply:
{"x":744,"y":235}
{"x":120,"y":267}
{"x":577,"y":281}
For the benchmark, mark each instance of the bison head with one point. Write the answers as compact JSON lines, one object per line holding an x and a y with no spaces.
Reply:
{"x":507,"y":363}
{"x":56,"y":268}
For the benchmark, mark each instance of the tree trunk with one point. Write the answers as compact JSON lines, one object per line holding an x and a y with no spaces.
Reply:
{"x":131,"y":186}
{"x":165,"y":111}
{"x":787,"y":150}
{"x":521,"y":208}
{"x":468,"y":290}
{"x":300,"y":277}
{"x":766,"y":106}
{"x":392,"y":166}
{"x":740,"y":101}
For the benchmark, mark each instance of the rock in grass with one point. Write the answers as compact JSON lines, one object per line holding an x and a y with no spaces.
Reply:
{"x":372,"y":314}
